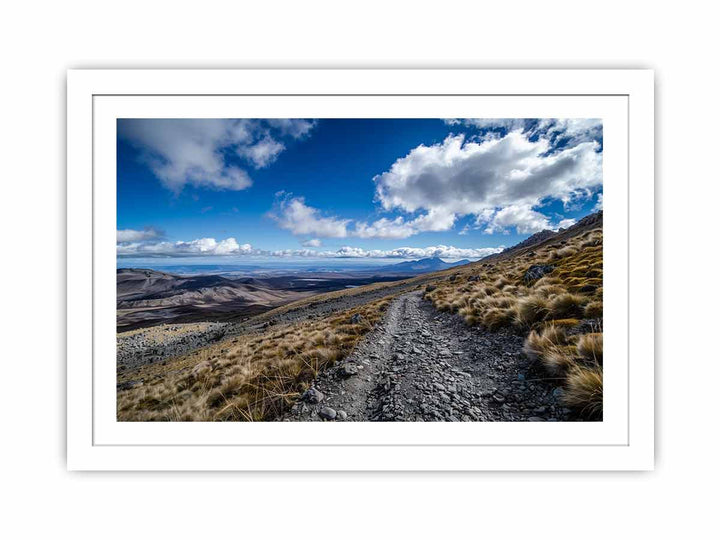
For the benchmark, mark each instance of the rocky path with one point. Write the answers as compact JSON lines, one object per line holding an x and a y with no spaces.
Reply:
{"x":423,"y":365}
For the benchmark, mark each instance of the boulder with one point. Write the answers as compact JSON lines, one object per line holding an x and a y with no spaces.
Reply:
{"x":536,"y":271}
{"x":326,"y":413}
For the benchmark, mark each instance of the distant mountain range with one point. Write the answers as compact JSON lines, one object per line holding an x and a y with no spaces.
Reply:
{"x":430,"y":264}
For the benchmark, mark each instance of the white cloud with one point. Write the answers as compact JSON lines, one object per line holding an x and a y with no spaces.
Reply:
{"x":132,"y":235}
{"x":350,"y":252}
{"x":571,"y":130}
{"x":292,"y":214}
{"x":400,"y":228}
{"x":193,"y":152}
{"x":384,"y":228}
{"x":293,"y":127}
{"x":313,"y":242}
{"x":230,"y":247}
{"x":522,"y":217}
{"x":599,"y":205}
{"x":488,"y":123}
{"x":262,"y":153}
{"x":198,"y":247}
{"x":565,"y":223}
{"x":575,"y":130}
{"x":445,"y":252}
{"x":501,"y":179}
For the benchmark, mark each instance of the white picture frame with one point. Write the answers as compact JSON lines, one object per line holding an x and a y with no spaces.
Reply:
{"x":623,"y":98}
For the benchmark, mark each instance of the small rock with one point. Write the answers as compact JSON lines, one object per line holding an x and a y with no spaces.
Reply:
{"x":535,"y":419}
{"x":356,"y":319}
{"x":313,"y":395}
{"x":326,"y":413}
{"x":348,"y":370}
{"x":342,"y":415}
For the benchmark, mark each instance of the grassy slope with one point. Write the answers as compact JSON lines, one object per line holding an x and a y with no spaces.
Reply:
{"x":250,"y":377}
{"x":258,"y":376}
{"x":561,"y":312}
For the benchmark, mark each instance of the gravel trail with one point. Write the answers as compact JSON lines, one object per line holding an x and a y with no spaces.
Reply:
{"x":419,"y":364}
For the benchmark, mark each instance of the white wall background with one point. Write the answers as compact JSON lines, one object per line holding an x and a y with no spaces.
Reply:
{"x":40,"y":40}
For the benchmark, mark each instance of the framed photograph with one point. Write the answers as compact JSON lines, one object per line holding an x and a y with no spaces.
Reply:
{"x":360,"y":270}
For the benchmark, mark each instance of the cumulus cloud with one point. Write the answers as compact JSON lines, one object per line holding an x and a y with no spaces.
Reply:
{"x":565,"y":223}
{"x":313,"y":242}
{"x":196,"y":152}
{"x":500,"y":181}
{"x":293,"y":127}
{"x":198,"y":247}
{"x":571,"y":130}
{"x":400,"y":228}
{"x":132,"y":235}
{"x":488,"y":123}
{"x":522,"y":217}
{"x":599,"y":205}
{"x":262,"y":153}
{"x":566,"y":130}
{"x":385,"y":228}
{"x":292,"y":214}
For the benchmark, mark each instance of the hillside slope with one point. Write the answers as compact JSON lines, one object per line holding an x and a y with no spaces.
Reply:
{"x":145,"y":296}
{"x":530,"y":348}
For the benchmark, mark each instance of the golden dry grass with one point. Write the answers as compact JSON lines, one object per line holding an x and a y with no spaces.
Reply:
{"x":584,"y":390}
{"x":247,"y":378}
{"x":578,"y":359}
{"x":590,"y":347}
{"x":495,"y":295}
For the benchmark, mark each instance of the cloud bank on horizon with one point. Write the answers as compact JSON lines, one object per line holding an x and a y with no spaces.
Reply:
{"x":473,"y":178}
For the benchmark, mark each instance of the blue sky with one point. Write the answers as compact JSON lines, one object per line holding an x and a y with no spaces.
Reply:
{"x":249,"y":190}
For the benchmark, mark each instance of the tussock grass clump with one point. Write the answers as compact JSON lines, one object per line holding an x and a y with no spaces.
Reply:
{"x":548,"y":291}
{"x":547,"y":280}
{"x":567,"y":305}
{"x":498,"y":317}
{"x":594,"y":310}
{"x":584,"y":390}
{"x":590,"y":347}
{"x":558,"y":359}
{"x":531,"y":309}
{"x":246,"y":378}
{"x":566,"y":251}
{"x":537,"y":343}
